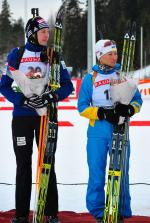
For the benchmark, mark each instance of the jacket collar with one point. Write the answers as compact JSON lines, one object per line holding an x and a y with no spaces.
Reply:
{"x":34,"y":48}
{"x":97,"y":68}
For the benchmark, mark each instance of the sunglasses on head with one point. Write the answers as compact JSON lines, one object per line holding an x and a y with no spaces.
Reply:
{"x":109,"y":43}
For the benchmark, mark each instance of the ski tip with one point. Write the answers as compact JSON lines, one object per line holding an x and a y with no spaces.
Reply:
{"x":60,"y":13}
{"x":128,"y":26}
{"x":134,"y":26}
{"x":99,"y":30}
{"x":133,"y":29}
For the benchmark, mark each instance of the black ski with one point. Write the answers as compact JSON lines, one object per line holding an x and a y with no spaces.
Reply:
{"x":50,"y":124}
{"x":115,"y":191}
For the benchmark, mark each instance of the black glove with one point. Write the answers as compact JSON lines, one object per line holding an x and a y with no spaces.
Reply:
{"x":41,"y":101}
{"x":48,"y":55}
{"x":32,"y":102}
{"x":48,"y":96}
{"x":124,"y":110}
{"x":108,"y":114}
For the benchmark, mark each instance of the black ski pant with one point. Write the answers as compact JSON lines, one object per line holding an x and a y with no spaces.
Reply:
{"x":24,"y":129}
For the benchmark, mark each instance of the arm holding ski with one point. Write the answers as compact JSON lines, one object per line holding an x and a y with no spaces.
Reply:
{"x":90,"y":112}
{"x":49,"y":95}
{"x":36,"y":102}
{"x":48,"y":55}
{"x":108,"y":114}
{"x":66,"y":86}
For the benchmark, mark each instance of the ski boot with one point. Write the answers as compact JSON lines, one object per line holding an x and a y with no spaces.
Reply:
{"x":20,"y":220}
{"x":52,"y":219}
{"x":120,"y":219}
{"x":99,"y":220}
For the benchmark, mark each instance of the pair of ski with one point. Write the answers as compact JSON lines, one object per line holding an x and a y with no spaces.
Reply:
{"x":48,"y":129}
{"x":116,"y":183}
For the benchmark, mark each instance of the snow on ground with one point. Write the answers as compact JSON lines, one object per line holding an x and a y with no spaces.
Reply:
{"x":71,"y":166}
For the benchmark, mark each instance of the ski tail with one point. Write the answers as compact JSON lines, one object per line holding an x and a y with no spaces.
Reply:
{"x":111,"y":176}
{"x":41,"y":148}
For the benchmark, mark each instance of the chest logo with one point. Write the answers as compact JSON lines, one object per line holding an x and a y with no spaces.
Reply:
{"x":101,"y":83}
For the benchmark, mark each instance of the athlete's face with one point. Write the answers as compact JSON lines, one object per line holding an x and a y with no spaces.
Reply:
{"x":43,"y":36}
{"x":109,"y":58}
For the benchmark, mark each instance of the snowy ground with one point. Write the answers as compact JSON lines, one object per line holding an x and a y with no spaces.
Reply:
{"x":71,"y":166}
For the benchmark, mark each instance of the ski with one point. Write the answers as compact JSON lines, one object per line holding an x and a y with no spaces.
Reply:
{"x":120,"y":166}
{"x":115,"y":190}
{"x":48,"y":128}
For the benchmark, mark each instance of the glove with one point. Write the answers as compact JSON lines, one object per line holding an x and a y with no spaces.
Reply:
{"x":108,"y":114}
{"x":48,"y":96}
{"x":33,"y":102}
{"x":48,"y":55}
{"x":41,"y":101}
{"x":124,"y":110}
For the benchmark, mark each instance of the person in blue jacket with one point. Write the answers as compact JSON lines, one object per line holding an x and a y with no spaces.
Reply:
{"x":95,"y":103}
{"x":26,"y":120}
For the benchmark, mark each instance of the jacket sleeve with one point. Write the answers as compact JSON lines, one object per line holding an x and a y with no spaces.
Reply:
{"x":137,"y":101}
{"x":85,"y":107}
{"x":7,"y":81}
{"x":66,"y":86}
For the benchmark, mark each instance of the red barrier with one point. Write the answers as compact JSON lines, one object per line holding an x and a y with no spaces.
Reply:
{"x":72,"y":217}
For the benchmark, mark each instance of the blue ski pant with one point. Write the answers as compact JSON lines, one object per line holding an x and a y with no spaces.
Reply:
{"x":97,"y":150}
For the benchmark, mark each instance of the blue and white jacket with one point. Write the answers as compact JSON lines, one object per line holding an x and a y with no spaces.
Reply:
{"x":97,"y":94}
{"x":30,"y":61}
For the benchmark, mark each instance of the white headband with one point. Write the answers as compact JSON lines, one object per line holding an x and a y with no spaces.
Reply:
{"x":104,"y":46}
